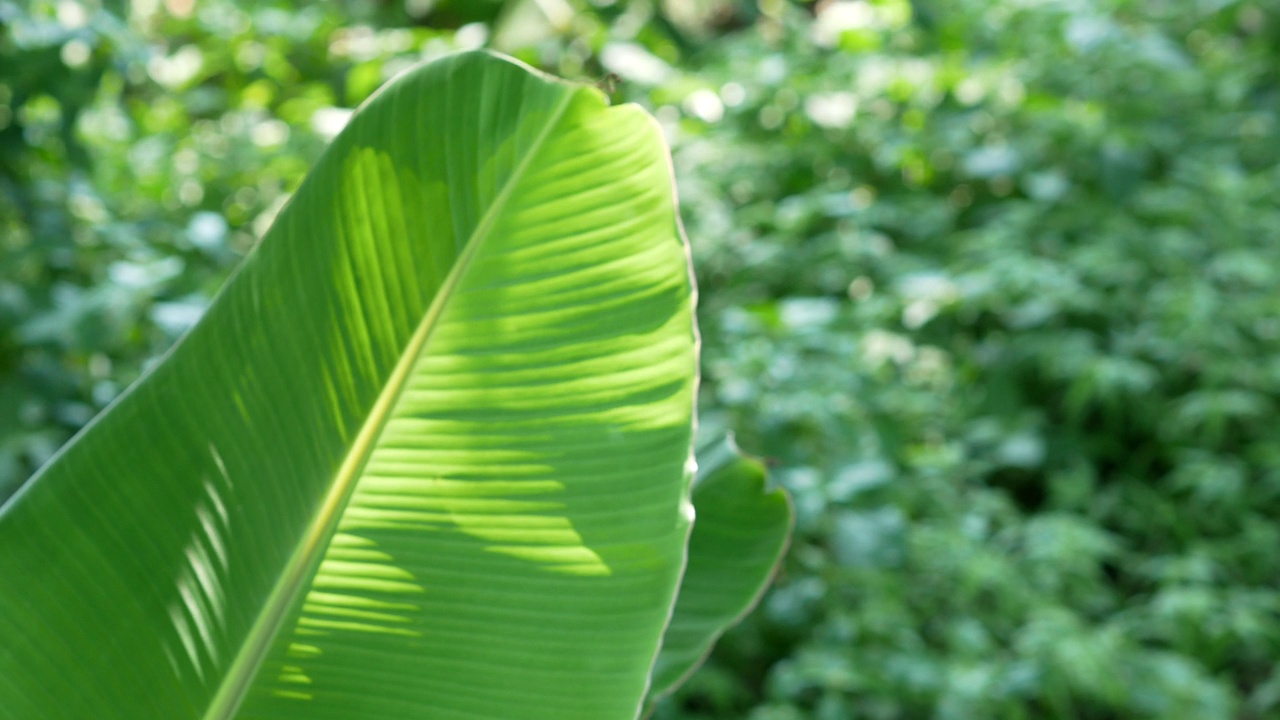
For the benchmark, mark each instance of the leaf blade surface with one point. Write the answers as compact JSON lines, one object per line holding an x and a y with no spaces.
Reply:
{"x":385,"y":473}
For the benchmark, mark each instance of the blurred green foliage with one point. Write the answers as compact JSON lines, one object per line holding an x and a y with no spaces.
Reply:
{"x":991,"y":283}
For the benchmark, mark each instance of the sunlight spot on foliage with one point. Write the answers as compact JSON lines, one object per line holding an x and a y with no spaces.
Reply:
{"x":176,"y":70}
{"x":269,"y":133}
{"x":836,"y":18}
{"x":471,"y":36}
{"x":632,"y":62}
{"x":327,"y":122}
{"x":705,"y":105}
{"x":71,"y":14}
{"x":75,"y":53}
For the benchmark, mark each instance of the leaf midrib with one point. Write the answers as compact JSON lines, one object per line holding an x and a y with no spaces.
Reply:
{"x":233,"y":689}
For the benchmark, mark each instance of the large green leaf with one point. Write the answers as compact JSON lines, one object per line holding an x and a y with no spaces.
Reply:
{"x":427,"y":454}
{"x":742,"y":530}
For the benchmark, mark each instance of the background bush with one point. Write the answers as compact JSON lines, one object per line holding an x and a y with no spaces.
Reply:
{"x":990,"y":282}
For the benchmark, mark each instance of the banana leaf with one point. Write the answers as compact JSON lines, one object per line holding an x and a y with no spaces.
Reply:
{"x":428,"y":453}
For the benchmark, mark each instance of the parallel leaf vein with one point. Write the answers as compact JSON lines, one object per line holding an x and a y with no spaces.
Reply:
{"x":306,"y":556}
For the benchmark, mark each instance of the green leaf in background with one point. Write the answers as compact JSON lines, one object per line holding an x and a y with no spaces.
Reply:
{"x":740,"y":536}
{"x":428,"y":451}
